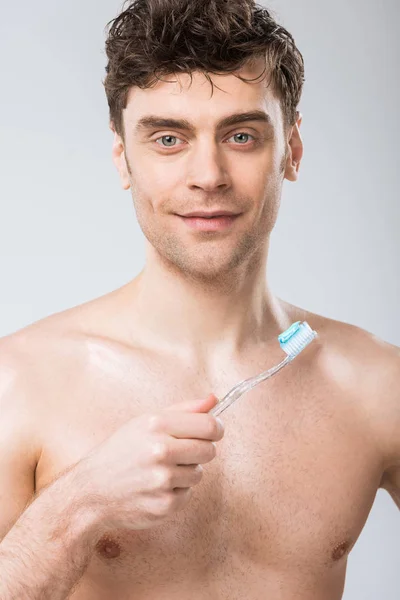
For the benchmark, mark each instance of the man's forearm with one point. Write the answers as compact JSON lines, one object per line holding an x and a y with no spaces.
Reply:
{"x":46,"y":552}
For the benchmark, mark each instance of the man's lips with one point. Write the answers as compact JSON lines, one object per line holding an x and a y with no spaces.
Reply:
{"x":213,"y":223}
{"x":210,"y":214}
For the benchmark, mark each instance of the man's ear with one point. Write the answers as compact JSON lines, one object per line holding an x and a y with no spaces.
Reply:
{"x":119,"y":159}
{"x":294,"y":151}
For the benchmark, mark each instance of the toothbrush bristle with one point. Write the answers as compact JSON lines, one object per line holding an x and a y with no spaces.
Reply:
{"x":302,"y":338}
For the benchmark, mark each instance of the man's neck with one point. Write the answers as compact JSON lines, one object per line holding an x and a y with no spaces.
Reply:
{"x":199,"y":322}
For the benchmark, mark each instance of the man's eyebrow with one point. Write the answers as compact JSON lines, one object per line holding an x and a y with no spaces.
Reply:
{"x":154,"y":121}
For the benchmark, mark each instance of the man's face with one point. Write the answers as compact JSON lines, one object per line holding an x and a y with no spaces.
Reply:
{"x":175,"y":171}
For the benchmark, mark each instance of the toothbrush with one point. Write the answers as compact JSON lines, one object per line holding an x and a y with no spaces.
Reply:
{"x":292,"y":341}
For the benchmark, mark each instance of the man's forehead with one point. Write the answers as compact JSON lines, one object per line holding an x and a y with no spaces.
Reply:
{"x":180,"y":98}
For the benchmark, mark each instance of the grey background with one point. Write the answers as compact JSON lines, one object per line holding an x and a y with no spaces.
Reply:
{"x":68,"y":232}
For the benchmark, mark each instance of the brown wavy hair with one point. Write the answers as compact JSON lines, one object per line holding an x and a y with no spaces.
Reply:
{"x":153,"y":38}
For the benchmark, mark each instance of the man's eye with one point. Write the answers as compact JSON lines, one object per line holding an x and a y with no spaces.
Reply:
{"x":237,"y":135}
{"x":170,"y":138}
{"x":165,"y":137}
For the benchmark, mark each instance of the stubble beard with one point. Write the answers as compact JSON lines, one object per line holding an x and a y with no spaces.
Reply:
{"x":203,"y":263}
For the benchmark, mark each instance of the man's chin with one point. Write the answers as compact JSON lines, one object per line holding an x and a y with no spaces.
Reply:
{"x":204,"y":269}
{"x":205,"y":259}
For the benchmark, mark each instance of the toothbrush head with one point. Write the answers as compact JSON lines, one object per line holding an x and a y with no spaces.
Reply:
{"x":296,"y":338}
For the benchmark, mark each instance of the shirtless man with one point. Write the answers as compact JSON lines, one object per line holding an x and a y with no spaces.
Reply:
{"x":115,"y":483}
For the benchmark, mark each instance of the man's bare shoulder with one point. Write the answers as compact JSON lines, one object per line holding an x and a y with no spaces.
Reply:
{"x":37,"y":355}
{"x":37,"y":346}
{"x":55,"y":333}
{"x":365,"y":348}
{"x":375,"y":361}
{"x":367,"y":368}
{"x":47,"y":355}
{"x":358,"y":357}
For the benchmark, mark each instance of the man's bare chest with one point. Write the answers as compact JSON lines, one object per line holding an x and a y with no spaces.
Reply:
{"x":292,"y":484}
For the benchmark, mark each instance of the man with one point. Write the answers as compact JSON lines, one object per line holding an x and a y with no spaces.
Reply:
{"x":104,"y":426}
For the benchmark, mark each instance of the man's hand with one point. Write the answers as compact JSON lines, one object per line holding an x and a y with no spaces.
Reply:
{"x":144,"y":472}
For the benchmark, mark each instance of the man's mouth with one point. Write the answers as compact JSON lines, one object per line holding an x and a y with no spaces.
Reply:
{"x":210,"y":214}
{"x":209,"y":222}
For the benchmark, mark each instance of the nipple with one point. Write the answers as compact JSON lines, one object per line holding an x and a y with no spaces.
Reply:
{"x":107,"y":547}
{"x":340,"y":550}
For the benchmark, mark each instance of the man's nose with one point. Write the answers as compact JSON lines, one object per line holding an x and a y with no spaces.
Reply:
{"x":207,"y":168}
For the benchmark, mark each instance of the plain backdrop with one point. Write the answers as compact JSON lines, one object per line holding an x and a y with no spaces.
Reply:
{"x":68,"y":232}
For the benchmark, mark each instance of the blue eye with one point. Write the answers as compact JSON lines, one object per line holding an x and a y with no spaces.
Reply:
{"x":241,"y":134}
{"x":167,"y":136}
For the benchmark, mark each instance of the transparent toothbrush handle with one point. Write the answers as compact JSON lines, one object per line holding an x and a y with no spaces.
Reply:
{"x":244,"y":386}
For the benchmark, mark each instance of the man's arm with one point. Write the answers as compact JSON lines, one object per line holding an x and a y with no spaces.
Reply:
{"x":383,"y":381}
{"x":46,"y":552}
{"x":374,"y":373}
{"x":391,"y":483}
{"x":45,"y":541}
{"x":391,"y":477}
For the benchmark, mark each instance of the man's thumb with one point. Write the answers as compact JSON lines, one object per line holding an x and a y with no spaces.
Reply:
{"x":202,"y":405}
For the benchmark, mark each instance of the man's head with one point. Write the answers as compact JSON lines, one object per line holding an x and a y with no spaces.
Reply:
{"x":162,"y":55}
